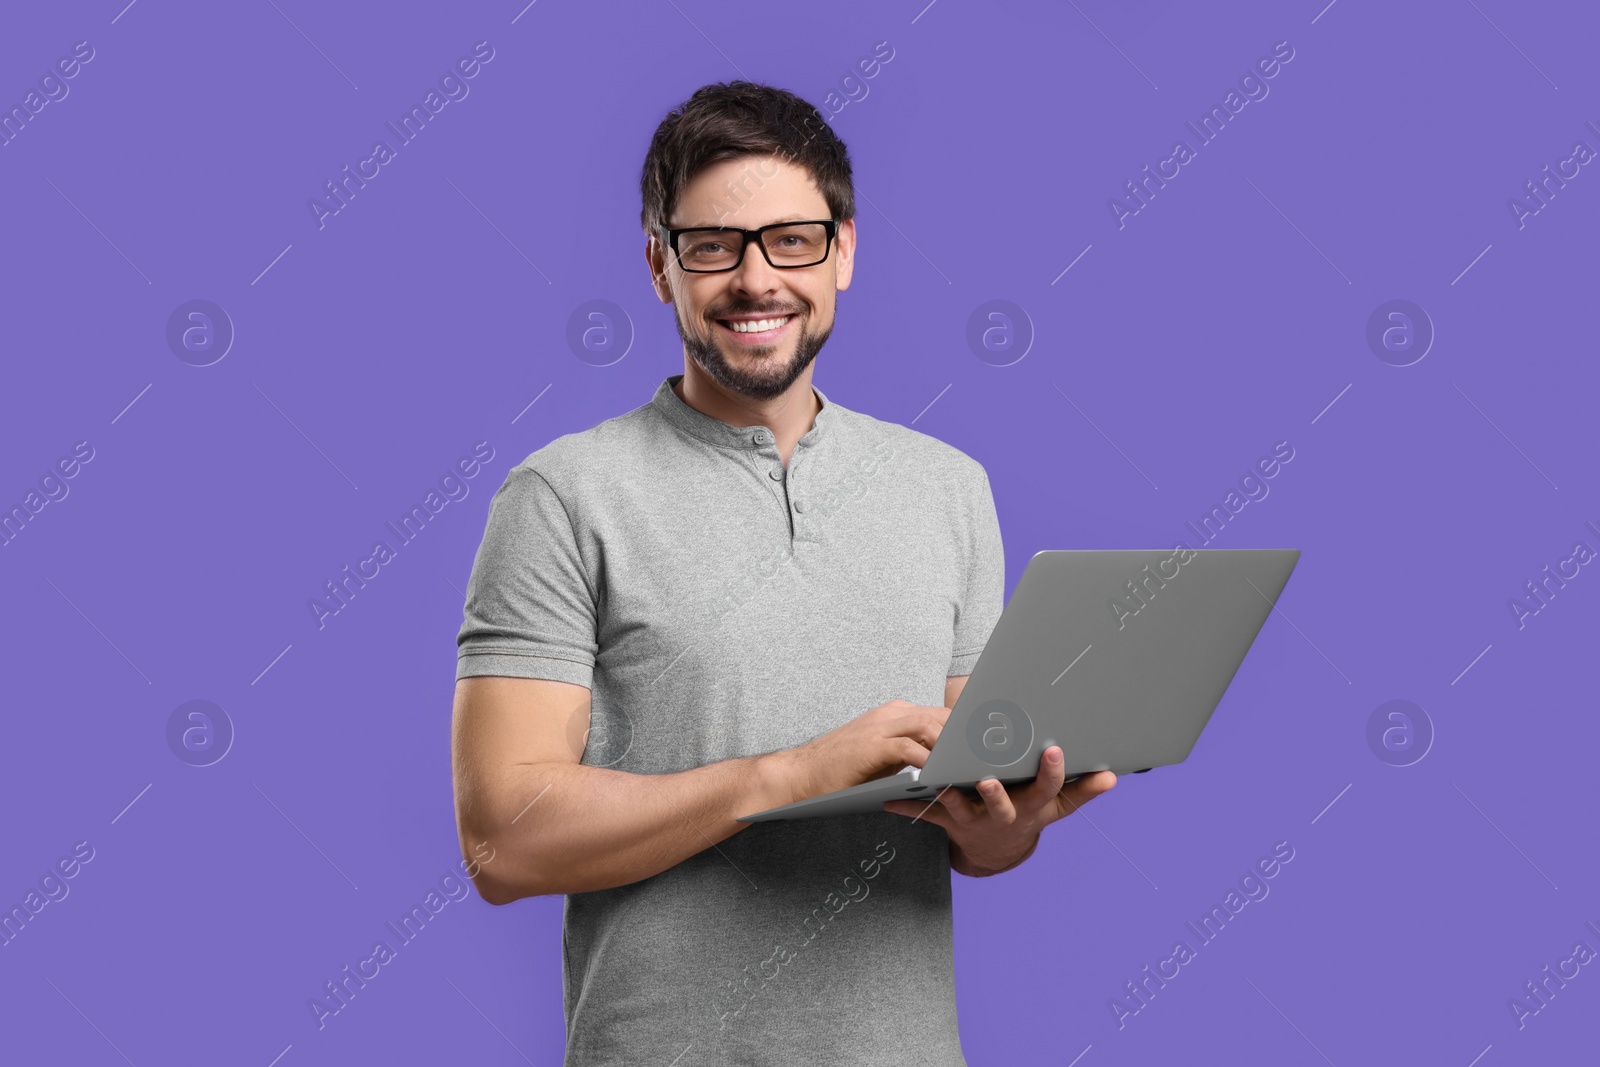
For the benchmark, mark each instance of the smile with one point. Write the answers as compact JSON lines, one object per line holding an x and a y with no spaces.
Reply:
{"x":757,"y":331}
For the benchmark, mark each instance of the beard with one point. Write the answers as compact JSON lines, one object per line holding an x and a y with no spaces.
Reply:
{"x":758,"y":373}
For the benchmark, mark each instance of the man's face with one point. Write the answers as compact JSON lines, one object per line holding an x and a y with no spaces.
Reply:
{"x":750,"y":192}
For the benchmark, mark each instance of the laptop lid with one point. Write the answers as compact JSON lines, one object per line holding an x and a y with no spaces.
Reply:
{"x":1119,"y":656}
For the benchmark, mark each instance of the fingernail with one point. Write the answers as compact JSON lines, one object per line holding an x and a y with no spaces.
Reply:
{"x":1053,"y":756}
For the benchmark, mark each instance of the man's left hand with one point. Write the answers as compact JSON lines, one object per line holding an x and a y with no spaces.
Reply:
{"x":1000,"y":830}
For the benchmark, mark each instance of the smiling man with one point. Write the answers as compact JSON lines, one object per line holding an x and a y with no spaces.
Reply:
{"x":738,"y":595}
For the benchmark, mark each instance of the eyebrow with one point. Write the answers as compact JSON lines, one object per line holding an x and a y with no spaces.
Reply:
{"x":774,"y":222}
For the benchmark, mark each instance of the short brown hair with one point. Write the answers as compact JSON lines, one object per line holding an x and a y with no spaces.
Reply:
{"x":727,"y":120}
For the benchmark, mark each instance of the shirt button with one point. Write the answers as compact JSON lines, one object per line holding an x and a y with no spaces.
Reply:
{"x":799,"y":505}
{"x":762,"y":437}
{"x":776,"y":474}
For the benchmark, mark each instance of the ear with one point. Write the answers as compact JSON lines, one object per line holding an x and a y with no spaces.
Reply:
{"x":845,"y":249}
{"x":655,"y":255}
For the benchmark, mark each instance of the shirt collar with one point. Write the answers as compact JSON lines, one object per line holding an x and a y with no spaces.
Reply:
{"x":699,"y":424}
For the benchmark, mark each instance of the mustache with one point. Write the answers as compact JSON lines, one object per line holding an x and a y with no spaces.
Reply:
{"x":728,"y":313}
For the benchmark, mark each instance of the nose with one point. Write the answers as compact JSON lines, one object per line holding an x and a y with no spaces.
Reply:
{"x":754,"y":274}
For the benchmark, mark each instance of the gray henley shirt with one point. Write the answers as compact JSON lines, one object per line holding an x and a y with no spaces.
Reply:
{"x":718,"y":605}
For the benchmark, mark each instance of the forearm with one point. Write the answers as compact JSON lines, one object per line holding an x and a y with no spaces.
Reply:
{"x":571,"y":828}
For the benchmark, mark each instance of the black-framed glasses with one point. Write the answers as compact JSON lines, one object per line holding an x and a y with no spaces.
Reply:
{"x":786,"y":245}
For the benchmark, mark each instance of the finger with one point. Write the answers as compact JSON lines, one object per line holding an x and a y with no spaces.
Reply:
{"x":925,"y":726}
{"x":1094,"y":784}
{"x":962,"y":811}
{"x":1085,"y":789}
{"x":997,"y":802}
{"x":920,"y":811}
{"x":912,"y":730}
{"x":1042,"y":791}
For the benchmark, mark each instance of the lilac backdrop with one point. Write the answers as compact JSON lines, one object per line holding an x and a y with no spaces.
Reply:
{"x":1438,"y":860}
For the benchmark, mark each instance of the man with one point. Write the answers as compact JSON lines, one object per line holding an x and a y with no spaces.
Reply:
{"x":736,"y":596}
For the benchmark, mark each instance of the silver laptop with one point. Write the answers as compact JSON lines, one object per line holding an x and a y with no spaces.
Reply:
{"x":1118,"y":656}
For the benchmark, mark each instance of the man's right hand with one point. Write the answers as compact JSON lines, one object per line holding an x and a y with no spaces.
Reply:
{"x":873,"y":745}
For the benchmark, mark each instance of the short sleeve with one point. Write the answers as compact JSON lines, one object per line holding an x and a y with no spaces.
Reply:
{"x":984,"y":592}
{"x":530,"y":609}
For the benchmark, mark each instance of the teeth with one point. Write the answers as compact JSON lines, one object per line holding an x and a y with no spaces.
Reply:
{"x":759,"y":325}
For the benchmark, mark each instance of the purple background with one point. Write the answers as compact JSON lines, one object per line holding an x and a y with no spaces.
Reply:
{"x":430,"y":313}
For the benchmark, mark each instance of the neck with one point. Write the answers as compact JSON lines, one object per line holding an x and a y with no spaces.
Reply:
{"x":788,"y":415}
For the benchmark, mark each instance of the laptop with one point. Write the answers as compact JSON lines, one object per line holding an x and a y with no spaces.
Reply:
{"x":1118,"y":656}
